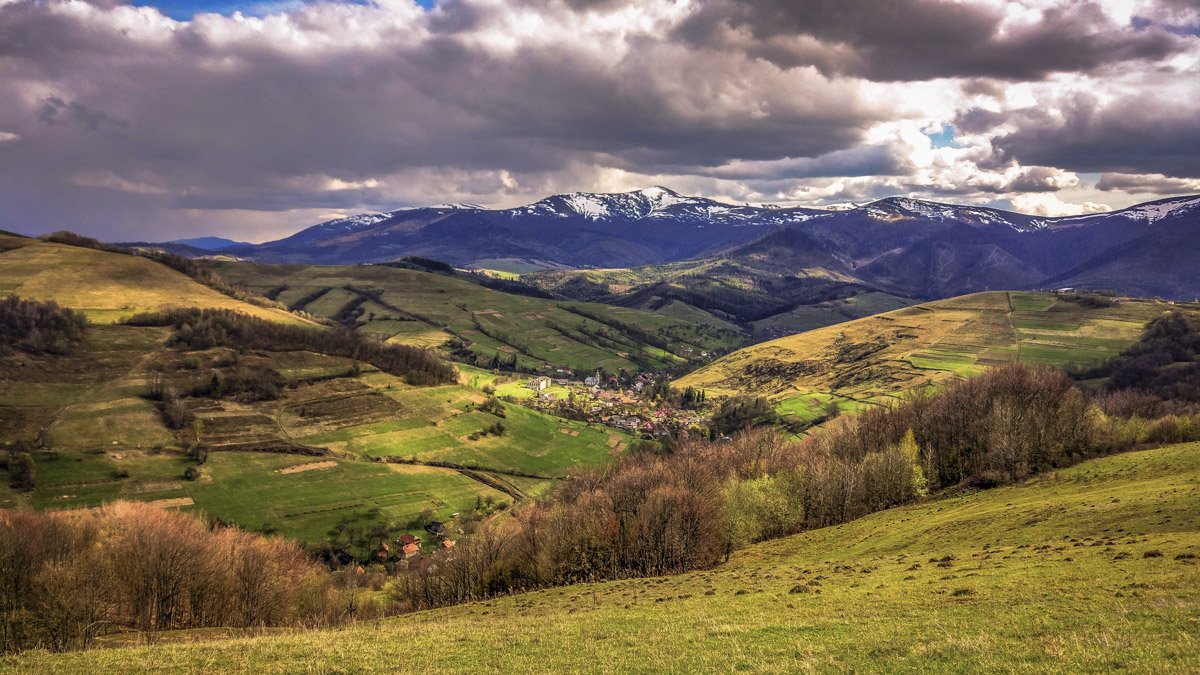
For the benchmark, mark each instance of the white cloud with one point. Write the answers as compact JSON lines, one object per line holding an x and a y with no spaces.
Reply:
{"x":1052,"y":205}
{"x":121,"y":121}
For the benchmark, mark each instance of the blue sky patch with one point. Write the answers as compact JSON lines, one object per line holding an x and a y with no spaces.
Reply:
{"x":184,"y":10}
{"x":943,"y":138}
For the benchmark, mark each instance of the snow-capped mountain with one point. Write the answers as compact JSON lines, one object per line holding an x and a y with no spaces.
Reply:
{"x":654,"y":202}
{"x":910,"y":246}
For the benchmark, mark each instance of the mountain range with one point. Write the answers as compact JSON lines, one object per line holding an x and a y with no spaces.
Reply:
{"x":908,"y":247}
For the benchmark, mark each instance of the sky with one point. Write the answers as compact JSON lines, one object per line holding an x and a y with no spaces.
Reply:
{"x":174,"y":118}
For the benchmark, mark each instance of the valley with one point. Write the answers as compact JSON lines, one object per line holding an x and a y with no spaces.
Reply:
{"x":412,"y":421}
{"x":599,"y":336}
{"x":381,"y":450}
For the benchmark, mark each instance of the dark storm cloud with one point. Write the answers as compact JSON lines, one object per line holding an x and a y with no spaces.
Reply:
{"x":120,"y":122}
{"x":54,"y":110}
{"x":1147,"y":183}
{"x":1131,"y":135}
{"x":222,"y":119}
{"x":860,"y":161}
{"x":1035,"y":179}
{"x":925,"y":39}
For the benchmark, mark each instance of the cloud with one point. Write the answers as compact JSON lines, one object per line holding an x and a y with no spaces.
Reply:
{"x":1052,"y":205}
{"x":1150,"y":132}
{"x":127,"y":124}
{"x":925,"y":39}
{"x":1152,"y":183}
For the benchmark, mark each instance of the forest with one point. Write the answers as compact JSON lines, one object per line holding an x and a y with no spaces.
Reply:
{"x":39,"y":327}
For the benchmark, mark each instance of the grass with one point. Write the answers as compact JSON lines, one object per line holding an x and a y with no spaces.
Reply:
{"x":434,"y":424}
{"x":812,"y":317}
{"x":106,"y":442}
{"x":109,"y":443}
{"x":1050,"y":576}
{"x":882,"y":356}
{"x":425,"y":310}
{"x":109,"y":287}
{"x":250,"y":490}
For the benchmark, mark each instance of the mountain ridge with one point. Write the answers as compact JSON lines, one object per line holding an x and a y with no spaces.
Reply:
{"x":912,"y":247}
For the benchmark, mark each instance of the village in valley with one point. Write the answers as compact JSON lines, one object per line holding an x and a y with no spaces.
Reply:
{"x":641,"y":404}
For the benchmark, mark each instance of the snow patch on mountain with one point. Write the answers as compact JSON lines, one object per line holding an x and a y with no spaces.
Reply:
{"x":1153,"y":211}
{"x":588,"y":205}
{"x":458,"y":207}
{"x":353,"y":223}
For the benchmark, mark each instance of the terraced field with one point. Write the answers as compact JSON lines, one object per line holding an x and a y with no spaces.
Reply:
{"x":107,"y":287}
{"x":100,"y":440}
{"x":1101,"y":575}
{"x":103,"y":441}
{"x":428,"y":310}
{"x":879,"y":357}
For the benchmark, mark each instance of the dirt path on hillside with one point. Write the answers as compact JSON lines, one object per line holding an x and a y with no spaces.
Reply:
{"x":311,"y":466}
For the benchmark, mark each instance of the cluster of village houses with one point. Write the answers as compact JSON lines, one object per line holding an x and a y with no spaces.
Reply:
{"x":409,"y":545}
{"x":612,"y":401}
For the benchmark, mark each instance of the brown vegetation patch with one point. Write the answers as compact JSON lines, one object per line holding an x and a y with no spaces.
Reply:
{"x":311,"y":466}
{"x":236,"y":430}
{"x":172,"y":502}
{"x":346,"y":410}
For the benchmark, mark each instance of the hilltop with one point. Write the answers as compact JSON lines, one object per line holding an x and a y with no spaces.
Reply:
{"x":1101,"y":575}
{"x":106,"y":286}
{"x":872,"y":359}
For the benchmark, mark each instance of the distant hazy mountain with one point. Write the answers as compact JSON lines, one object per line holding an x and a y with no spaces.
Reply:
{"x":909,"y":247}
{"x":208,"y":243}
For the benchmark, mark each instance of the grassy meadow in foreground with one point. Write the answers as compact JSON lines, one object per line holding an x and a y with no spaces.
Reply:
{"x":1090,"y":568}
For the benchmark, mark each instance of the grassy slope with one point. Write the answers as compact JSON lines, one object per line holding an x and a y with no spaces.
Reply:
{"x":880,"y":356}
{"x":729,"y":286}
{"x":105,"y":437}
{"x":812,"y":317}
{"x":440,"y":301}
{"x":107,"y":287}
{"x":1047,"y":576}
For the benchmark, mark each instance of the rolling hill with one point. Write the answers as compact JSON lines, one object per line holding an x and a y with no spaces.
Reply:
{"x":420,"y":308}
{"x":764,"y":303}
{"x":108,"y":287}
{"x":873,"y":359}
{"x":339,"y":443}
{"x":1101,"y":575}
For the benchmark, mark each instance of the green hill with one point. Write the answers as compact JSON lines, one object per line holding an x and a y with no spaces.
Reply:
{"x":104,"y":441}
{"x":1100,"y":575}
{"x":875,"y":358}
{"x":767,"y":303}
{"x":425,"y":309}
{"x":390,"y":450}
{"x":107,"y":287}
